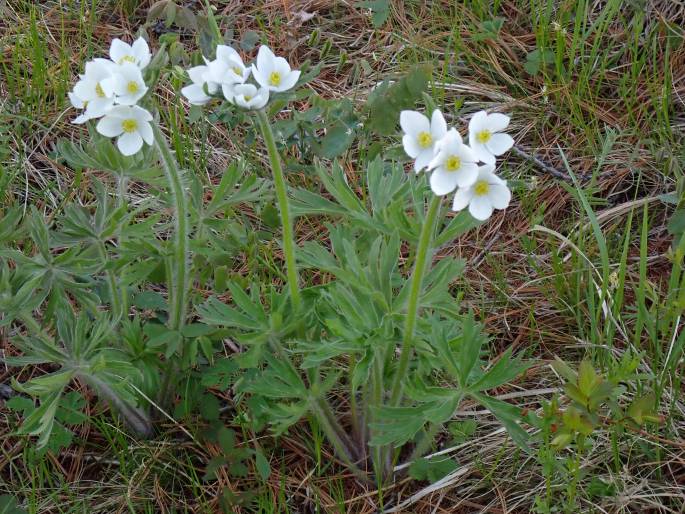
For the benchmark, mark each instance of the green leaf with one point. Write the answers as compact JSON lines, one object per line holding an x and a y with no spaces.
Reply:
{"x":387,"y":100}
{"x":509,"y":415}
{"x":502,"y":372}
{"x":262,"y":465}
{"x":643,"y":409}
{"x":209,"y":407}
{"x":220,"y":376}
{"x":587,"y":378}
{"x":380,"y":10}
{"x":9,"y":505}
{"x":432,"y":469}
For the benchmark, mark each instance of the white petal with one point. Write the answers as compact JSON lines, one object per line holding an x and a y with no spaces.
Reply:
{"x":130,"y":143}
{"x":450,"y":143}
{"x":462,"y":198}
{"x":109,"y":126}
{"x":260,"y":99}
{"x":423,"y":159}
{"x":467,"y":174}
{"x":195,"y":94}
{"x":438,"y":125}
{"x":142,"y":115}
{"x":99,"y":107}
{"x":228,"y":91}
{"x":289,"y":80}
{"x":477,"y":122}
{"x":76,"y":101}
{"x":466,"y":154}
{"x":145,"y":130}
{"x":443,"y":182}
{"x":497,"y":122}
{"x":481,"y":152}
{"x":265,"y":59}
{"x":141,"y":50}
{"x":118,"y":50}
{"x":480,"y":207}
{"x":500,"y":196}
{"x":411,"y":147}
{"x":80,"y":120}
{"x":225,"y":53}
{"x":195,"y":73}
{"x":499,"y":143}
{"x":85,"y":89}
{"x":261,"y":76}
{"x":413,"y":122}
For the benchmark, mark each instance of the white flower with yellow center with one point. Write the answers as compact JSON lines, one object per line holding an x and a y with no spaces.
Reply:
{"x":138,"y":53}
{"x":195,"y":92}
{"x":486,"y":138}
{"x":93,"y":92}
{"x":454,"y":164}
{"x":131,"y":124}
{"x":227,"y":70}
{"x":487,"y":193}
{"x":273,"y":72}
{"x":249,"y":97}
{"x":421,"y":136}
{"x":128,"y":84}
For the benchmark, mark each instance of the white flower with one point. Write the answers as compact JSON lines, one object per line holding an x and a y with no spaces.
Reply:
{"x":94,"y":90}
{"x":454,"y":164}
{"x":249,"y":97}
{"x":227,"y":70}
{"x":487,"y":193}
{"x":128,"y":84}
{"x":421,"y":135}
{"x":485,"y":137}
{"x":273,"y":72}
{"x":132,"y":126}
{"x":138,"y":53}
{"x":195,"y":92}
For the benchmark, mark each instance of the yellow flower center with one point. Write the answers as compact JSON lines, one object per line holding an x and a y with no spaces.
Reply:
{"x":247,"y":98}
{"x":453,"y":163}
{"x":239,"y":72}
{"x":483,"y":136}
{"x":127,"y":58}
{"x":275,"y":78}
{"x":99,"y":91}
{"x":481,"y":188}
{"x":424,"y":139}
{"x":132,"y":87}
{"x":129,"y":125}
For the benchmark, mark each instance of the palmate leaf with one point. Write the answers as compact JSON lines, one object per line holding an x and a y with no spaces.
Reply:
{"x":507,"y":414}
{"x":101,"y":154}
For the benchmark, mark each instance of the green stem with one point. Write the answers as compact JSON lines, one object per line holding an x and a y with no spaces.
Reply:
{"x":114,"y":294}
{"x":179,"y":277}
{"x":422,"y":253}
{"x":334,"y":437}
{"x":178,"y":287}
{"x":282,"y":197}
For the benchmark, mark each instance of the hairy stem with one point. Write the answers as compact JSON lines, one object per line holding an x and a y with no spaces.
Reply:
{"x":178,"y":287}
{"x":422,"y":253}
{"x":284,"y":208}
{"x":334,"y":437}
{"x":114,"y":293}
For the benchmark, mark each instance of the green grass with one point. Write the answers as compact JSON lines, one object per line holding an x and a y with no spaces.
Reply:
{"x":576,"y":268}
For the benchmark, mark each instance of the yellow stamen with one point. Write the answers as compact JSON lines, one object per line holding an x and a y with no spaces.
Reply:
{"x":275,"y":78}
{"x":132,"y":87}
{"x":127,"y":58}
{"x":453,"y":163}
{"x":99,"y":91}
{"x":481,"y":188}
{"x":247,"y":98}
{"x":424,"y":139}
{"x":237,"y":71}
{"x":483,"y":136}
{"x":129,"y":125}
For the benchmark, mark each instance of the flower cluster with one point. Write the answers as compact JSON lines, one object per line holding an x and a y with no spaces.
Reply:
{"x":455,"y":165}
{"x":229,"y":74}
{"x":110,"y":89}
